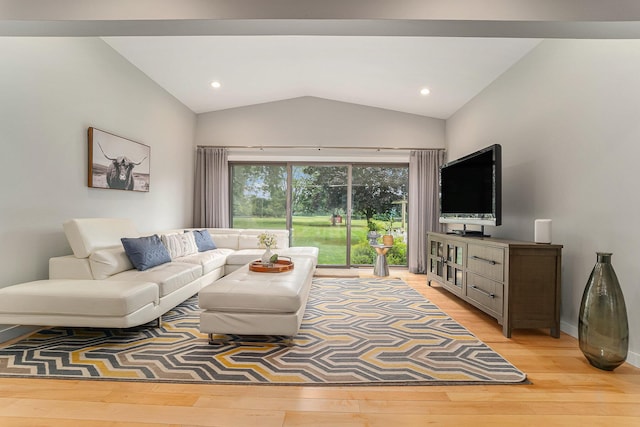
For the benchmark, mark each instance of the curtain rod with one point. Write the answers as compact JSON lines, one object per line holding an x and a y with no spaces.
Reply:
{"x":317,"y":147}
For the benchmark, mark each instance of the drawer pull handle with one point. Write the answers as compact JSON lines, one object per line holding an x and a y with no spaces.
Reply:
{"x":482,"y":291}
{"x":488,"y":261}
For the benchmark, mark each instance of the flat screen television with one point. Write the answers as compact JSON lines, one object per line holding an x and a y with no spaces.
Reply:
{"x":471,"y":188}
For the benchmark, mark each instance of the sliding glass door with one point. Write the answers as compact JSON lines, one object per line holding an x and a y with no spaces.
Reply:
{"x":259,"y":196}
{"x":379,"y":201}
{"x":332,"y":207}
{"x":318,"y":210}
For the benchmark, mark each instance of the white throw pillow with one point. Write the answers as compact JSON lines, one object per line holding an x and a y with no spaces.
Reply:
{"x":190,"y":245}
{"x":179,"y":244}
{"x":107,"y":262}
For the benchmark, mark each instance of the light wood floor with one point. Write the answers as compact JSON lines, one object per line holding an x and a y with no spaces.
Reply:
{"x":566,"y":391}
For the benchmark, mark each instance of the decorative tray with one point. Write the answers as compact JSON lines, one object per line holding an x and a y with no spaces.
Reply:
{"x":280,"y":266}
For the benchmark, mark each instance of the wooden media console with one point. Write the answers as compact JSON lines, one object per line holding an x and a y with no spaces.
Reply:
{"x":518,"y":283}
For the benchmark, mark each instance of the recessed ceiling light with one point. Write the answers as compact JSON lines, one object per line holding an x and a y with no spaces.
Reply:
{"x":215,"y":85}
{"x":424,"y":91}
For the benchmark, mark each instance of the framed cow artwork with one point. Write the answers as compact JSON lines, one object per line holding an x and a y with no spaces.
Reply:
{"x":117,"y":163}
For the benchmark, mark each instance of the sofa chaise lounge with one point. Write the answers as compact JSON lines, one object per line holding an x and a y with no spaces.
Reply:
{"x":97,"y":286}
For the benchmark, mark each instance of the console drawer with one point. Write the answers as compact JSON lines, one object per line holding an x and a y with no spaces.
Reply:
{"x":485,"y":292}
{"x":487,"y":261}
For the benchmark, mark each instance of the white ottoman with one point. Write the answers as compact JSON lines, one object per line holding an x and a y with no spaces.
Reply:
{"x":251,"y":303}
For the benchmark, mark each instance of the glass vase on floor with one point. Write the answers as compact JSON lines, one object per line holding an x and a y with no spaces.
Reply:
{"x":603,"y":329}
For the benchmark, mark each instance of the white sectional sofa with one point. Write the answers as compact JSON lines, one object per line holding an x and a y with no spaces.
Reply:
{"x":98,"y":286}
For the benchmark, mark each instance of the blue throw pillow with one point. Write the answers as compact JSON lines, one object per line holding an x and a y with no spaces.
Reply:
{"x":203,"y":240}
{"x":145,"y":252}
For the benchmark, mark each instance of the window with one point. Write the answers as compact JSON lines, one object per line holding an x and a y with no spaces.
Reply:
{"x":332,"y":207}
{"x":259,"y":196}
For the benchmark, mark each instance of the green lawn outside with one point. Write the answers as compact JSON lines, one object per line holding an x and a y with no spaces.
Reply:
{"x":318,"y":231}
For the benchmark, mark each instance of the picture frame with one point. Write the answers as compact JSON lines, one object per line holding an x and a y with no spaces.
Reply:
{"x":118,"y":163}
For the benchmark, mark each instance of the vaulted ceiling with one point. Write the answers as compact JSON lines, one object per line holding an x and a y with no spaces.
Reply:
{"x":385,"y":72}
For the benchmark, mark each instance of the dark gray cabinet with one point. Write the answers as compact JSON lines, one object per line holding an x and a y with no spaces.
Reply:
{"x":517,"y":283}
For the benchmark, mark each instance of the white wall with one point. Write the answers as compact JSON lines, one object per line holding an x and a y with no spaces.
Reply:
{"x":568,"y":120}
{"x":51,"y":91}
{"x":316,"y":122}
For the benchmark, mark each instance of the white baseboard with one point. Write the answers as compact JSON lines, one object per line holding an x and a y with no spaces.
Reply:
{"x":569,"y":329}
{"x":9,"y":332}
{"x":632,"y":358}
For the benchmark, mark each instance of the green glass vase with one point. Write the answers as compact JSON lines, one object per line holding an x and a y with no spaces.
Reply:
{"x":603,"y":328}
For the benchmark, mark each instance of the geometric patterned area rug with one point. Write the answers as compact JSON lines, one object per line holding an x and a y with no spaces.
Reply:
{"x":355,"y":332}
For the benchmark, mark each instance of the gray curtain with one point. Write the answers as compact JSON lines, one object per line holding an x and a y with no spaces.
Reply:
{"x":211,"y":198}
{"x":424,"y":207}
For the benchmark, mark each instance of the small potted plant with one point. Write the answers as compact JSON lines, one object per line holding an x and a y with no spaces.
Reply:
{"x":372,"y":235}
{"x":338,"y":215}
{"x":387,"y":239}
{"x":267,"y":240}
